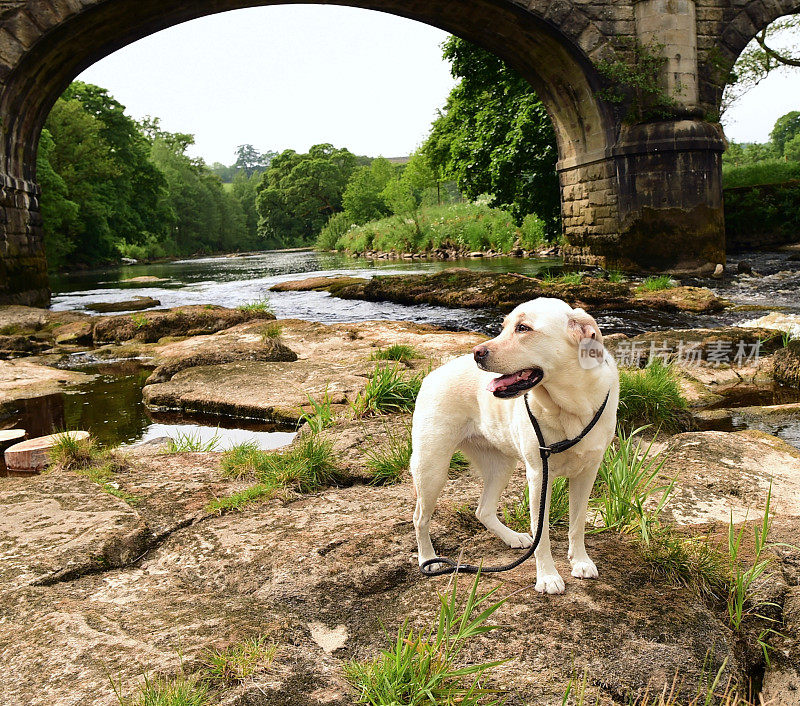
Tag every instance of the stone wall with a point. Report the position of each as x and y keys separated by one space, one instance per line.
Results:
x=23 y=268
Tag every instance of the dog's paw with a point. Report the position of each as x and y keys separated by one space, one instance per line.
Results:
x=518 y=540
x=549 y=583
x=584 y=569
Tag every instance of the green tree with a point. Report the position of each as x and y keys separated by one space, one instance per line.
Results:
x=134 y=197
x=494 y=137
x=251 y=161
x=362 y=199
x=59 y=214
x=791 y=149
x=300 y=192
x=786 y=127
x=245 y=191
x=202 y=216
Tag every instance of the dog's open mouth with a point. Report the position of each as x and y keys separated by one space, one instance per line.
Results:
x=515 y=383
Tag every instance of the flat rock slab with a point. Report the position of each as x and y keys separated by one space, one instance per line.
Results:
x=56 y=525
x=23 y=379
x=326 y=577
x=240 y=343
x=719 y=474
x=135 y=304
x=270 y=391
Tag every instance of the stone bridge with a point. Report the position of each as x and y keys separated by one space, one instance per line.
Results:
x=634 y=196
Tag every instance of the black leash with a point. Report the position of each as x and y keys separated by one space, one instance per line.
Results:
x=545 y=452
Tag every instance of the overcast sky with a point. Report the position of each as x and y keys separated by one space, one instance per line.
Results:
x=293 y=76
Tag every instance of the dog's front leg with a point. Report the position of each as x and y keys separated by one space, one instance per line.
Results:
x=548 y=580
x=580 y=487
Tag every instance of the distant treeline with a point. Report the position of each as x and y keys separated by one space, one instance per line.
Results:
x=112 y=187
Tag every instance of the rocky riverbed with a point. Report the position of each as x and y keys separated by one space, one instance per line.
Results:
x=100 y=589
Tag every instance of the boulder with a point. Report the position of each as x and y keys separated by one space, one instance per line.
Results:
x=78 y=333
x=182 y=321
x=16 y=346
x=135 y=304
x=224 y=347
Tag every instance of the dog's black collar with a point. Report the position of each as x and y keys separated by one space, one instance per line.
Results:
x=545 y=451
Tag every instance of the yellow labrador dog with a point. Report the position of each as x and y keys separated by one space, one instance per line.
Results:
x=475 y=403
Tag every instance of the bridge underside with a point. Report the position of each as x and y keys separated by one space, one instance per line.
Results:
x=634 y=197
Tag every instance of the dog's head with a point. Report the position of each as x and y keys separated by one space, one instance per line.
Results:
x=540 y=339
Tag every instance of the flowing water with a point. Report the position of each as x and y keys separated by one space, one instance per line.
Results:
x=111 y=405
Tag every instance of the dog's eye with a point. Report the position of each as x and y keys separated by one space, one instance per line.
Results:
x=521 y=328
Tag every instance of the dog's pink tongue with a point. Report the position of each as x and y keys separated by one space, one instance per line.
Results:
x=504 y=381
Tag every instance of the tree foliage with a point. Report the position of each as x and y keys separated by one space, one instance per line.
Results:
x=112 y=187
x=774 y=48
x=300 y=192
x=495 y=137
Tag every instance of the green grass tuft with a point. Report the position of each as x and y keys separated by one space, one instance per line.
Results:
x=259 y=305
x=389 y=462
x=85 y=458
x=426 y=667
x=616 y=276
x=398 y=351
x=518 y=515
x=237 y=663
x=651 y=396
x=320 y=416
x=655 y=284
x=70 y=453
x=628 y=480
x=192 y=442
x=271 y=331
x=160 y=691
x=387 y=391
x=308 y=465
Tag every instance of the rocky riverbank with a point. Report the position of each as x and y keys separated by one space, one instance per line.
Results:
x=471 y=289
x=100 y=588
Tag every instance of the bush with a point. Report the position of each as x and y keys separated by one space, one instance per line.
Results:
x=335 y=228
x=770 y=171
x=651 y=397
x=465 y=226
x=766 y=214
x=532 y=232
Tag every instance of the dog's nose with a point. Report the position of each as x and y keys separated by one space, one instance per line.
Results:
x=480 y=353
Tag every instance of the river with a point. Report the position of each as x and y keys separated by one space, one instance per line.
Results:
x=112 y=407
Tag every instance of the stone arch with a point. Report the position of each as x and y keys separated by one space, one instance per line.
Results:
x=549 y=43
x=732 y=36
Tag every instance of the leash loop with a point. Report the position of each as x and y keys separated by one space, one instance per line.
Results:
x=545 y=451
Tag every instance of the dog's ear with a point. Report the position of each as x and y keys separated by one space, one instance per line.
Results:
x=580 y=325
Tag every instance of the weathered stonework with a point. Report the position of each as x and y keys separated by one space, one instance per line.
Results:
x=627 y=200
